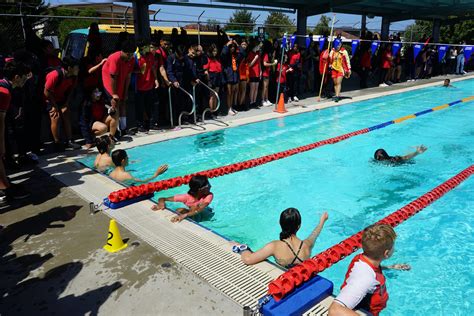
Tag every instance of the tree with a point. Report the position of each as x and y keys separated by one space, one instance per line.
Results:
x=63 y=27
x=451 y=34
x=11 y=29
x=322 y=28
x=283 y=25
x=456 y=33
x=241 y=20
x=212 y=24
x=418 y=31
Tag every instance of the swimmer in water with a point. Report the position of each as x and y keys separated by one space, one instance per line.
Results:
x=381 y=155
x=196 y=200
x=103 y=160
x=120 y=160
x=447 y=83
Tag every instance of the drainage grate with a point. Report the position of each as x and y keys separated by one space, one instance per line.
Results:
x=197 y=252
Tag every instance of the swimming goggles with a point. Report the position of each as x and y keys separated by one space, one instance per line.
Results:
x=240 y=248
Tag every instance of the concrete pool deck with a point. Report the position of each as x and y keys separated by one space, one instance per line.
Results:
x=67 y=270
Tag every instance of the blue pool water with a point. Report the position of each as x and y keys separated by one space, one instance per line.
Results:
x=342 y=179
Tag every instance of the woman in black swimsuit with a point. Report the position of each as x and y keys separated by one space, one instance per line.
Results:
x=289 y=250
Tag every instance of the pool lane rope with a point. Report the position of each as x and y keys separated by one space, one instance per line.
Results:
x=134 y=194
x=301 y=273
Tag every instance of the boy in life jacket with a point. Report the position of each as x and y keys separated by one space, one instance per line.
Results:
x=364 y=284
x=340 y=65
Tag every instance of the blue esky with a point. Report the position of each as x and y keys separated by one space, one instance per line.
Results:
x=185 y=13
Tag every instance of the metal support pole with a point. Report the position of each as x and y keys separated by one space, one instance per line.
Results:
x=199 y=27
x=281 y=68
x=436 y=30
x=22 y=22
x=125 y=17
x=385 y=28
x=141 y=20
x=171 y=106
x=363 y=24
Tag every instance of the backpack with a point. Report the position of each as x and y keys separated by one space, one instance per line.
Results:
x=60 y=72
x=5 y=84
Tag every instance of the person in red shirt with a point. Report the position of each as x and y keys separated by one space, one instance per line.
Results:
x=15 y=76
x=146 y=82
x=386 y=64
x=57 y=91
x=294 y=59
x=364 y=285
x=116 y=74
x=267 y=66
x=96 y=119
x=254 y=61
x=285 y=70
x=214 y=68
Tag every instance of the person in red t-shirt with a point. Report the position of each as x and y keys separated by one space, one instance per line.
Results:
x=294 y=60
x=116 y=74
x=365 y=64
x=146 y=82
x=15 y=76
x=267 y=66
x=96 y=119
x=254 y=61
x=285 y=70
x=385 y=73
x=57 y=90
x=214 y=68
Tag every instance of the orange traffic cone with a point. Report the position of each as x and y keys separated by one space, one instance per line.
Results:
x=281 y=104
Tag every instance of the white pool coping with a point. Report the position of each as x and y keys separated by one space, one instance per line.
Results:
x=195 y=247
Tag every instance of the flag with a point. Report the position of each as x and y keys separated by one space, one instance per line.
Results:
x=308 y=41
x=283 y=41
x=322 y=40
x=375 y=46
x=396 y=48
x=442 y=52
x=467 y=52
x=292 y=41
x=416 y=50
x=355 y=43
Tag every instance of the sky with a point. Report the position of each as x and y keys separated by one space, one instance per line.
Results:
x=185 y=13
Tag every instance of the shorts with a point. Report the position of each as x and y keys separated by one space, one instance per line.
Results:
x=215 y=79
x=231 y=77
x=336 y=74
x=254 y=79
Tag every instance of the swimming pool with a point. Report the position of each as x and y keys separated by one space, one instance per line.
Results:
x=343 y=180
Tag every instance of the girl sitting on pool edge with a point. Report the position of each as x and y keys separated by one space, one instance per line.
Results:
x=197 y=199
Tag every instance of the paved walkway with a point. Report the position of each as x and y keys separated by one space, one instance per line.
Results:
x=53 y=263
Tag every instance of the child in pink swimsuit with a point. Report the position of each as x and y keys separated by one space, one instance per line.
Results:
x=196 y=200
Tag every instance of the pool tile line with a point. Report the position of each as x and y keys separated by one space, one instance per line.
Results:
x=125 y=196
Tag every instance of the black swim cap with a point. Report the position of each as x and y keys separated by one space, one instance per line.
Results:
x=381 y=154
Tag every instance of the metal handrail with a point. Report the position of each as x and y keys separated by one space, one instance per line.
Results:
x=193 y=110
x=218 y=101
x=171 y=106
